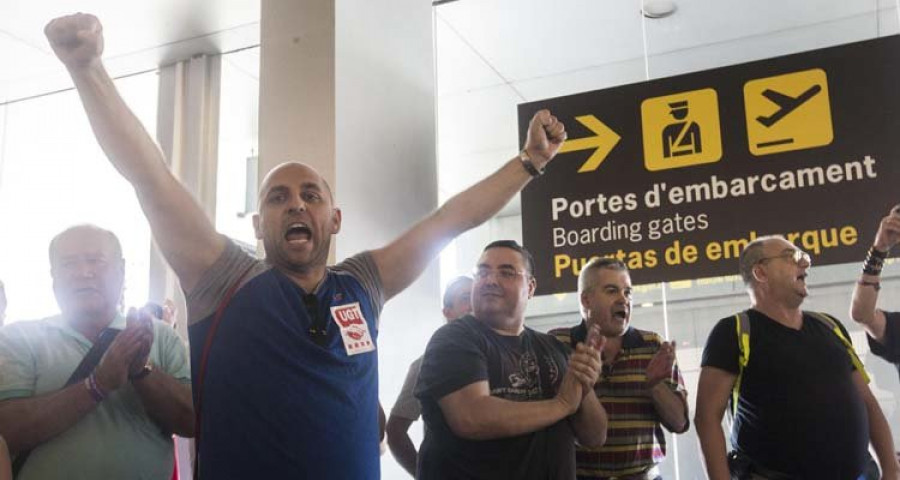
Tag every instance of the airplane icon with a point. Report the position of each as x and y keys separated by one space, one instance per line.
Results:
x=786 y=103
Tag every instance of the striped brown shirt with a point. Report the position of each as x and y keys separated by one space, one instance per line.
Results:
x=635 y=441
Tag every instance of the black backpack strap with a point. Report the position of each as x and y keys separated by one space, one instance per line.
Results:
x=88 y=364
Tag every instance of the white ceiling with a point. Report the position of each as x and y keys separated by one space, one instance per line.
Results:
x=139 y=36
x=491 y=54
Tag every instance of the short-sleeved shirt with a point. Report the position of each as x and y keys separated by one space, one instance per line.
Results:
x=407 y=405
x=635 y=441
x=799 y=411
x=523 y=368
x=115 y=440
x=277 y=403
x=889 y=349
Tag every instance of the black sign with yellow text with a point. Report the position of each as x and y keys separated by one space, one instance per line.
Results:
x=674 y=176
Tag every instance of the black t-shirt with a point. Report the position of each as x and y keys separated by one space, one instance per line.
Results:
x=799 y=411
x=890 y=349
x=524 y=368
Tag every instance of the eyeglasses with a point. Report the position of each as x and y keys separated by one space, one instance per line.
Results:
x=795 y=256
x=503 y=274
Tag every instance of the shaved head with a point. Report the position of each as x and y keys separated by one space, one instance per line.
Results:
x=274 y=173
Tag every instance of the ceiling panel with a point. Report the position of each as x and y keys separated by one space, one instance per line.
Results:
x=707 y=22
x=525 y=39
x=139 y=36
x=459 y=68
x=132 y=26
x=584 y=80
x=478 y=121
x=746 y=49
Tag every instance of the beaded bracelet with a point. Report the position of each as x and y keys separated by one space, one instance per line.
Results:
x=875 y=285
x=94 y=388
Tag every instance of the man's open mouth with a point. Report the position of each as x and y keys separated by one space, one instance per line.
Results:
x=298 y=232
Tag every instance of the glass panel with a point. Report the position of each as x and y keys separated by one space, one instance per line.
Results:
x=238 y=145
x=51 y=170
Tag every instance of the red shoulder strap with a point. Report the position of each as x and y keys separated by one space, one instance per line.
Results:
x=201 y=370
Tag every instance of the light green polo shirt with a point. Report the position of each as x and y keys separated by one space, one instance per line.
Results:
x=117 y=440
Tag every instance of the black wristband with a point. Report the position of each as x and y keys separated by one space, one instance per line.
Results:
x=873 y=270
x=875 y=253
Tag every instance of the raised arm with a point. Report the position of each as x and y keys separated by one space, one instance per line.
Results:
x=401 y=262
x=181 y=229
x=865 y=293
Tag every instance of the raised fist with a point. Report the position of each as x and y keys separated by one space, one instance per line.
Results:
x=76 y=39
x=545 y=135
x=888 y=231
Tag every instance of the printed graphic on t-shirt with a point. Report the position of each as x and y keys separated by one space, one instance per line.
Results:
x=528 y=374
x=525 y=382
x=552 y=370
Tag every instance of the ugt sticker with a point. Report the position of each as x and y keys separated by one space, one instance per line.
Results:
x=354 y=329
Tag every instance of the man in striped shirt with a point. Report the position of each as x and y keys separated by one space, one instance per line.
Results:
x=640 y=385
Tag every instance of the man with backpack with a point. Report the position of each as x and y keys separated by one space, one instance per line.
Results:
x=799 y=395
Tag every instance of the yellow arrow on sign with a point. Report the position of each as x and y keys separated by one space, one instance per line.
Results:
x=604 y=141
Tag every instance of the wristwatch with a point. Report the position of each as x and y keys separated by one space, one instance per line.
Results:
x=529 y=164
x=143 y=372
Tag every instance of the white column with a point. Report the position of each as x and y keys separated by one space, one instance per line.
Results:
x=387 y=162
x=348 y=87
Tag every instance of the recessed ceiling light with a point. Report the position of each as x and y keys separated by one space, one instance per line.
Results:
x=658 y=8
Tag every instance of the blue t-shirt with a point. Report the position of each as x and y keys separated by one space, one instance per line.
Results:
x=277 y=404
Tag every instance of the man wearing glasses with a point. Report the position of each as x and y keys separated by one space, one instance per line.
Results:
x=801 y=403
x=500 y=400
x=284 y=349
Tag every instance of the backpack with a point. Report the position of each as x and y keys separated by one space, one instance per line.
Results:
x=742 y=324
